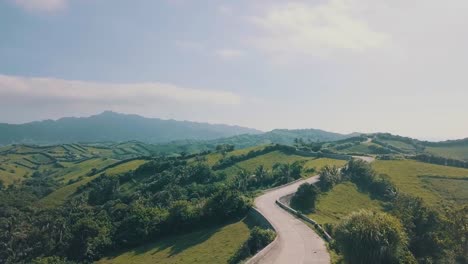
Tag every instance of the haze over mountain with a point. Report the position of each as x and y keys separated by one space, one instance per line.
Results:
x=111 y=126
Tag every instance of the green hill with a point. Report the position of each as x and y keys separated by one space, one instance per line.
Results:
x=168 y=209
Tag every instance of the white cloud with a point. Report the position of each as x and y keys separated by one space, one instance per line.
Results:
x=94 y=92
x=318 y=30
x=229 y=54
x=41 y=5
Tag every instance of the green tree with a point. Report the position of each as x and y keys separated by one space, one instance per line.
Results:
x=359 y=172
x=227 y=204
x=329 y=177
x=368 y=237
x=90 y=236
x=423 y=225
x=305 y=197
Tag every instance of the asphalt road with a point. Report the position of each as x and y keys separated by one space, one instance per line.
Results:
x=296 y=242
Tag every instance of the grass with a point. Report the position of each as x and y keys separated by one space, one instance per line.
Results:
x=455 y=152
x=409 y=176
x=453 y=189
x=59 y=196
x=399 y=144
x=361 y=148
x=340 y=201
x=125 y=167
x=81 y=169
x=212 y=245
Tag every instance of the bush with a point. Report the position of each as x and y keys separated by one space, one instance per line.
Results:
x=258 y=239
x=359 y=172
x=368 y=237
x=329 y=177
x=305 y=197
x=226 y=205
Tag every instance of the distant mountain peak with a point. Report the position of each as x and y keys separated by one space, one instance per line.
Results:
x=113 y=126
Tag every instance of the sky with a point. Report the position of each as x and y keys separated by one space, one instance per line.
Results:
x=346 y=66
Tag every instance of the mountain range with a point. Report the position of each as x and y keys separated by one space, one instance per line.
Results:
x=116 y=127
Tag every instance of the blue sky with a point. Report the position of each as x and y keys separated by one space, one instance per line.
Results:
x=339 y=65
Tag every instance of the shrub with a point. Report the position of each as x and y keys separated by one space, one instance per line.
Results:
x=329 y=177
x=258 y=239
x=305 y=197
x=368 y=237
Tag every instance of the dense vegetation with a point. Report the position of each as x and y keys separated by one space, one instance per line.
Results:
x=367 y=237
x=173 y=197
x=434 y=236
x=76 y=203
x=305 y=197
x=116 y=207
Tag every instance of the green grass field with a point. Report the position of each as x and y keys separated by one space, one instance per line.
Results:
x=81 y=169
x=453 y=189
x=409 y=176
x=125 y=167
x=455 y=152
x=399 y=144
x=212 y=245
x=342 y=200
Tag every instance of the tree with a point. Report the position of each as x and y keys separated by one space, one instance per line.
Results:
x=286 y=172
x=227 y=204
x=263 y=176
x=305 y=197
x=139 y=224
x=329 y=177
x=359 y=172
x=423 y=226
x=183 y=214
x=89 y=237
x=103 y=189
x=224 y=148
x=458 y=230
x=368 y=237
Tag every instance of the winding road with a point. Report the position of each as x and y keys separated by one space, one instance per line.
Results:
x=295 y=242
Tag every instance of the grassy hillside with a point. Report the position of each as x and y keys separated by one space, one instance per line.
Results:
x=453 y=152
x=435 y=184
x=65 y=162
x=212 y=245
x=416 y=178
x=78 y=177
x=340 y=201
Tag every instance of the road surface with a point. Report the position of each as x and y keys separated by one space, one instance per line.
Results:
x=296 y=242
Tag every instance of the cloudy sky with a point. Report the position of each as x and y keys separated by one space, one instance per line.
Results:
x=342 y=65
